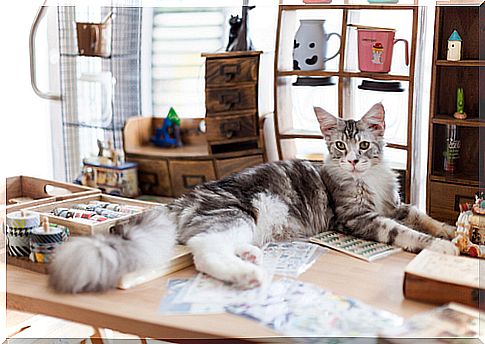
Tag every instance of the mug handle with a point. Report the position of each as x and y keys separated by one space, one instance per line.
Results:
x=95 y=30
x=338 y=51
x=406 y=48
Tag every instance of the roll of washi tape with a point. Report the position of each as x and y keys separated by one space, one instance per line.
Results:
x=109 y=213
x=82 y=214
x=62 y=212
x=19 y=227
x=45 y=240
x=130 y=209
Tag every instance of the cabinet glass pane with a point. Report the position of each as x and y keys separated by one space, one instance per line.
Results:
x=400 y=20
x=290 y=22
x=395 y=105
x=295 y=108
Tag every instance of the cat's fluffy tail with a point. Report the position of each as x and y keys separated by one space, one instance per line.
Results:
x=96 y=263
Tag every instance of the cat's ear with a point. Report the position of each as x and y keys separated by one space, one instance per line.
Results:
x=328 y=122
x=374 y=119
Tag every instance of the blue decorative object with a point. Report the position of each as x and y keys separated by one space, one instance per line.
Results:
x=455 y=36
x=168 y=135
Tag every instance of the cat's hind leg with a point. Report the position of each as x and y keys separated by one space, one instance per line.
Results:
x=227 y=254
x=418 y=220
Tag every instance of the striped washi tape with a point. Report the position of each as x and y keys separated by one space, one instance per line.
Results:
x=19 y=228
x=43 y=244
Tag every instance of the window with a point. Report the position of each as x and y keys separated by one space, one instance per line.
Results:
x=180 y=35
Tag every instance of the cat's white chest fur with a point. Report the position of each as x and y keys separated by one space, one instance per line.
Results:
x=380 y=180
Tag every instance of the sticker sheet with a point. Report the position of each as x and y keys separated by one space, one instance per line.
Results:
x=290 y=258
x=204 y=287
x=356 y=247
x=298 y=309
x=174 y=288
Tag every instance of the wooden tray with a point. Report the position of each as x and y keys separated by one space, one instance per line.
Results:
x=81 y=228
x=41 y=191
x=181 y=259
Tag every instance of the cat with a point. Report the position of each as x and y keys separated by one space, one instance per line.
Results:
x=225 y=222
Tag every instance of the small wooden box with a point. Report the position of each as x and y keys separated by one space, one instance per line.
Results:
x=41 y=191
x=446 y=198
x=85 y=228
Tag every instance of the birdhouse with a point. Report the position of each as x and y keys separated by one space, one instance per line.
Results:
x=454 y=47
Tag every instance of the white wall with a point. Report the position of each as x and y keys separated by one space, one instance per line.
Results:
x=25 y=137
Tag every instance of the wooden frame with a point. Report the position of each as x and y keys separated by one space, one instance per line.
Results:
x=342 y=74
x=36 y=188
x=452 y=188
x=83 y=228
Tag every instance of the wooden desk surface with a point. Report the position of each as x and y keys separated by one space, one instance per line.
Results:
x=135 y=310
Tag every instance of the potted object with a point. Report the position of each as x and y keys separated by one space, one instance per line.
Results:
x=454 y=47
x=460 y=104
x=375 y=47
x=94 y=39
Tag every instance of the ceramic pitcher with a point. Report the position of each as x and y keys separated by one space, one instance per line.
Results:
x=310 y=45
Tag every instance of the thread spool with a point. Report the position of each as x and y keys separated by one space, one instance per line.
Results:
x=44 y=241
x=19 y=228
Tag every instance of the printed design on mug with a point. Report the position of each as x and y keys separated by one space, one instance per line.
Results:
x=377 y=50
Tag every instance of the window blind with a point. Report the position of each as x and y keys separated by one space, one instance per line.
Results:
x=180 y=35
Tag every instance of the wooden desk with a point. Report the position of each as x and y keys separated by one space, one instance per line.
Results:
x=135 y=311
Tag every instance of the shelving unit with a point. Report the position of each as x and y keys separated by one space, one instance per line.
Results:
x=445 y=191
x=284 y=77
x=89 y=110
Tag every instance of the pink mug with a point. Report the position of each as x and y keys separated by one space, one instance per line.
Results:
x=375 y=49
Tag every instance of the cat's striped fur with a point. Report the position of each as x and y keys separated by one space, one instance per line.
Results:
x=225 y=222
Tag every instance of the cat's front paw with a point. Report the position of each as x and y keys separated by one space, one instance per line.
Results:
x=446 y=231
x=444 y=246
x=251 y=277
x=250 y=253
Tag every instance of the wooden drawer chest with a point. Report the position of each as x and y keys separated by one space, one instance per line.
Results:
x=231 y=93
x=445 y=199
x=233 y=139
x=175 y=171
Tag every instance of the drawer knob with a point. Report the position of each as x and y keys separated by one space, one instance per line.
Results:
x=229 y=71
x=229 y=99
x=191 y=181
x=228 y=129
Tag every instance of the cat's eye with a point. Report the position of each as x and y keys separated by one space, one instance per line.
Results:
x=364 y=145
x=340 y=145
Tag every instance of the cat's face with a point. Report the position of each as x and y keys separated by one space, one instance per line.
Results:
x=355 y=146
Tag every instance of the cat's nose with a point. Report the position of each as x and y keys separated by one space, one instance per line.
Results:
x=353 y=162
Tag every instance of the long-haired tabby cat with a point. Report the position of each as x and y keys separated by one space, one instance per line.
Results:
x=225 y=222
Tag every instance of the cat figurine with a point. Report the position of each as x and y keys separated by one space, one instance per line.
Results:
x=226 y=222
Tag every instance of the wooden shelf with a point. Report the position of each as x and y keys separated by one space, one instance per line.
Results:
x=347 y=7
x=457 y=178
x=376 y=76
x=307 y=73
x=283 y=88
x=469 y=122
x=462 y=63
x=446 y=190
x=344 y=74
x=300 y=134
x=308 y=134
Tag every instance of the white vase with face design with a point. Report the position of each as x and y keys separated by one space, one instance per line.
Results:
x=310 y=45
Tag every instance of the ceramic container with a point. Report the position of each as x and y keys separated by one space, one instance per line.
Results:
x=310 y=45
x=375 y=49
